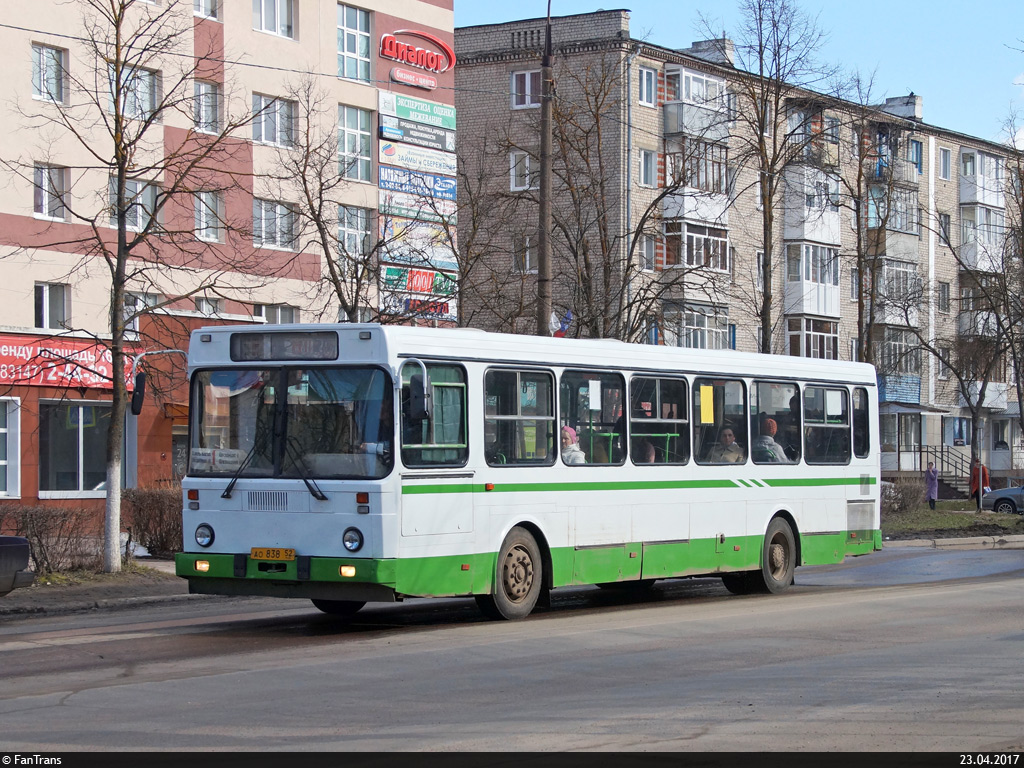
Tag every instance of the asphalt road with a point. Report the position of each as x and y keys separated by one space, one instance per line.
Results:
x=907 y=649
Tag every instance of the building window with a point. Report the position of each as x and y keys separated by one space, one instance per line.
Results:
x=648 y=95
x=855 y=349
x=207 y=216
x=354 y=142
x=944 y=358
x=73 y=446
x=944 y=228
x=707 y=247
x=51 y=305
x=697 y=89
x=823 y=194
x=967 y=164
x=524 y=254
x=10 y=448
x=983 y=225
x=697 y=327
x=900 y=281
x=273 y=16
x=206 y=115
x=809 y=337
x=700 y=165
x=648 y=249
x=49 y=73
x=135 y=305
x=50 y=182
x=854 y=284
x=900 y=352
x=140 y=204
x=526 y=89
x=945 y=163
x=812 y=264
x=276 y=314
x=136 y=92
x=354 y=231
x=944 y=298
x=521 y=173
x=205 y=8
x=353 y=43
x=915 y=154
x=273 y=224
x=273 y=120
x=648 y=168
x=896 y=209
x=207 y=306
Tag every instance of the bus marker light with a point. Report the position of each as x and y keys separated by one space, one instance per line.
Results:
x=193 y=505
x=632 y=554
x=202 y=565
x=488 y=486
x=736 y=548
x=193 y=494
x=362 y=498
x=465 y=566
x=363 y=509
x=348 y=571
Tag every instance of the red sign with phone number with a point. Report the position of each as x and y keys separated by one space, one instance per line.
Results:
x=57 y=362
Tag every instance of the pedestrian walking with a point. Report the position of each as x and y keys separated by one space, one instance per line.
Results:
x=931 y=484
x=979 y=481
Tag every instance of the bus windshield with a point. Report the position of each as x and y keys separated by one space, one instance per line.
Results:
x=292 y=422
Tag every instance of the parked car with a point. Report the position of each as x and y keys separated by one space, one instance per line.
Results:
x=14 y=571
x=1008 y=501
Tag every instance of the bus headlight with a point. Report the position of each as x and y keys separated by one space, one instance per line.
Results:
x=204 y=535
x=352 y=539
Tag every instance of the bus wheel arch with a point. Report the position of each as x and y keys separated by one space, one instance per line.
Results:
x=521 y=575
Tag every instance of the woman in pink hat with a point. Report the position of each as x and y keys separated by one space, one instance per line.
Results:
x=571 y=453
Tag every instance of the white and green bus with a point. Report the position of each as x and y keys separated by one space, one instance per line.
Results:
x=356 y=463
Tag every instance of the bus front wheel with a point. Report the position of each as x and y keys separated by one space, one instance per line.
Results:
x=778 y=559
x=338 y=607
x=518 y=578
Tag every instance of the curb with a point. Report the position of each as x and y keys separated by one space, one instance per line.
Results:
x=975 y=542
x=113 y=603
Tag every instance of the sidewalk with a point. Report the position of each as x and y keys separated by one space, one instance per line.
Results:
x=155 y=582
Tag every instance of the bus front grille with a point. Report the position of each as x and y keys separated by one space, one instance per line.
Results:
x=267 y=501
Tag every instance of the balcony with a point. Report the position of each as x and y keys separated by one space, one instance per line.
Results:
x=898 y=170
x=995 y=395
x=697 y=205
x=803 y=297
x=819 y=222
x=981 y=256
x=899 y=388
x=981 y=190
x=705 y=122
x=978 y=323
x=902 y=246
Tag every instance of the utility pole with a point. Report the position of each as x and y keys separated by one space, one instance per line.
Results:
x=544 y=225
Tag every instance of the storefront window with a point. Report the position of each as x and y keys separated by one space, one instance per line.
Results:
x=73 y=446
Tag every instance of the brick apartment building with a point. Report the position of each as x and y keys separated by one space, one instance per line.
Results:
x=658 y=233
x=232 y=246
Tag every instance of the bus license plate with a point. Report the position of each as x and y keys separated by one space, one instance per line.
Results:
x=271 y=553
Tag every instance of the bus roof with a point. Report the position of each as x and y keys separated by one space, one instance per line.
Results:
x=397 y=342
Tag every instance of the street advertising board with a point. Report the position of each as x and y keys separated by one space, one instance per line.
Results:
x=418 y=183
x=417 y=243
x=404 y=305
x=429 y=281
x=416 y=158
x=58 y=362
x=417 y=110
x=410 y=132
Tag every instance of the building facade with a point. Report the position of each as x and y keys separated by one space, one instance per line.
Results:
x=225 y=104
x=885 y=238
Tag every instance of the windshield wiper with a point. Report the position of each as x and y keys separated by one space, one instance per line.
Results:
x=238 y=472
x=300 y=465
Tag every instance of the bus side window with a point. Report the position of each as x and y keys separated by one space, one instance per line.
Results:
x=519 y=418
x=861 y=424
x=720 y=422
x=658 y=425
x=827 y=425
x=592 y=404
x=774 y=423
x=439 y=440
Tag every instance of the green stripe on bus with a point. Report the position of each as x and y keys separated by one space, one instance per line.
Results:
x=635 y=485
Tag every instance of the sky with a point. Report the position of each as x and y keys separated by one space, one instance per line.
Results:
x=965 y=59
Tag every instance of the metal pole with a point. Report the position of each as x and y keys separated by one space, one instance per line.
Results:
x=544 y=224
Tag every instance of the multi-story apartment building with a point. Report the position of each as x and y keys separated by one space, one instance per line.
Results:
x=358 y=93
x=884 y=232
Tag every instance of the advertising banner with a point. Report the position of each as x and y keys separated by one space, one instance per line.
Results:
x=417 y=207
x=417 y=110
x=418 y=243
x=396 y=129
x=57 y=362
x=416 y=182
x=419 y=306
x=416 y=158
x=427 y=281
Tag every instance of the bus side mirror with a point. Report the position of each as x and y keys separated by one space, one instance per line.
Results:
x=139 y=394
x=419 y=399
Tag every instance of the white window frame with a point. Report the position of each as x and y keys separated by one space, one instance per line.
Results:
x=207 y=306
x=696 y=326
x=526 y=89
x=49 y=73
x=698 y=238
x=520 y=171
x=647 y=95
x=135 y=302
x=43 y=299
x=49 y=190
x=273 y=225
x=273 y=120
x=943 y=298
x=280 y=21
x=354 y=225
x=648 y=168
x=209 y=209
x=696 y=87
x=523 y=255
x=140 y=92
x=812 y=263
x=10 y=433
x=648 y=253
x=355 y=133
x=353 y=43
x=142 y=205
x=206 y=9
x=276 y=314
x=206 y=108
x=80 y=493
x=816 y=338
x=901 y=352
x=945 y=163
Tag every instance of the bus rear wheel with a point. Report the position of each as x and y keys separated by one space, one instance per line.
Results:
x=338 y=607
x=518 y=578
x=778 y=559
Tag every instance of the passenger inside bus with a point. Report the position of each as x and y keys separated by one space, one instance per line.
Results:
x=764 y=449
x=728 y=451
x=571 y=452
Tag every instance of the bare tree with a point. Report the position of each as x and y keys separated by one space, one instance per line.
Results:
x=149 y=130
